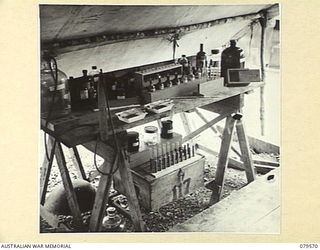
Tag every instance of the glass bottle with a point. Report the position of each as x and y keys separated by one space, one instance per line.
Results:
x=112 y=222
x=94 y=75
x=151 y=135
x=184 y=62
x=55 y=96
x=201 y=59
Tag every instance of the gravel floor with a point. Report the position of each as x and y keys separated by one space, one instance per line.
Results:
x=170 y=214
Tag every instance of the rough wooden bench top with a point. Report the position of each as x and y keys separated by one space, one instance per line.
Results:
x=252 y=209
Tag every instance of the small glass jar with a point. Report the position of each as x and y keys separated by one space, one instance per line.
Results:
x=151 y=135
x=112 y=222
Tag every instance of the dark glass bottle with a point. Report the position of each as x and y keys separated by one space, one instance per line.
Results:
x=201 y=58
x=230 y=58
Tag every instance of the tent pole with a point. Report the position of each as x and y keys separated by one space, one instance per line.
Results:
x=263 y=22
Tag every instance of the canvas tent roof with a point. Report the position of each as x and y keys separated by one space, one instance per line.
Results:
x=121 y=45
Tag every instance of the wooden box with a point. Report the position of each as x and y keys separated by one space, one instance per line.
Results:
x=157 y=189
x=143 y=77
x=242 y=77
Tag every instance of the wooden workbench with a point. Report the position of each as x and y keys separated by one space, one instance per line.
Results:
x=82 y=128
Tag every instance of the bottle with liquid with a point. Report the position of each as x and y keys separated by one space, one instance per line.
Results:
x=184 y=62
x=112 y=222
x=201 y=59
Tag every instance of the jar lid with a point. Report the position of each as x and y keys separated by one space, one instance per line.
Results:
x=150 y=129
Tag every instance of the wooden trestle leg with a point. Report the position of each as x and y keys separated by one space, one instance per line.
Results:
x=77 y=162
x=223 y=159
x=232 y=123
x=130 y=192
x=46 y=169
x=66 y=180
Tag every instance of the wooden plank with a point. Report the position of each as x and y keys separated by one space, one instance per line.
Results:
x=223 y=156
x=204 y=127
x=130 y=192
x=70 y=194
x=210 y=88
x=46 y=169
x=236 y=164
x=76 y=160
x=245 y=151
x=261 y=146
x=185 y=123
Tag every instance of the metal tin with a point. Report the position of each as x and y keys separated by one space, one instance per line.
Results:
x=133 y=141
x=166 y=129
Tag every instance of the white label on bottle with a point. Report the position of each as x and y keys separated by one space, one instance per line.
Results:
x=59 y=87
x=135 y=144
x=86 y=94
x=170 y=131
x=121 y=97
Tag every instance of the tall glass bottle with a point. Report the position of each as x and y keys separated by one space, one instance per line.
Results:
x=201 y=59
